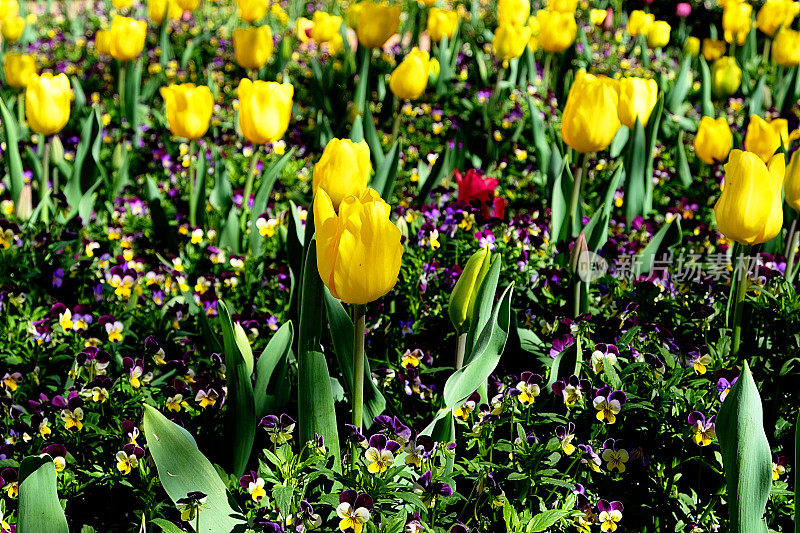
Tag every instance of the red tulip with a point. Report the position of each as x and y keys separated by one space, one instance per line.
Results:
x=474 y=186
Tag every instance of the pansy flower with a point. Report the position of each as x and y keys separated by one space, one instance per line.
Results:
x=614 y=457
x=254 y=485
x=411 y=358
x=206 y=398
x=590 y=457
x=465 y=410
x=135 y=371
x=608 y=403
x=703 y=430
x=73 y=418
x=353 y=511
x=190 y=504
x=724 y=387
x=601 y=354
x=571 y=390
x=11 y=381
x=429 y=489
x=9 y=482
x=306 y=517
x=779 y=467
x=418 y=449
x=565 y=435
x=700 y=362
x=128 y=458
x=279 y=429
x=114 y=330
x=610 y=515
x=529 y=387
x=59 y=453
x=380 y=453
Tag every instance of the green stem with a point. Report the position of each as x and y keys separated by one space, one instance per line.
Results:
x=192 y=178
x=576 y=303
x=577 y=186
x=21 y=108
x=359 y=323
x=44 y=184
x=548 y=58
x=397 y=120
x=251 y=176
x=123 y=70
x=738 y=305
x=461 y=347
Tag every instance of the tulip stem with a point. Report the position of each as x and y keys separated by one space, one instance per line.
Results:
x=789 y=272
x=577 y=290
x=397 y=120
x=743 y=282
x=21 y=108
x=248 y=186
x=577 y=186
x=123 y=71
x=461 y=347
x=192 y=179
x=358 y=364
x=44 y=185
x=767 y=43
x=548 y=58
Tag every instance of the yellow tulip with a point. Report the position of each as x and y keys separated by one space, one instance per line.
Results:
x=264 y=110
x=658 y=34
x=510 y=41
x=465 y=291
x=358 y=250
x=713 y=140
x=765 y=138
x=442 y=23
x=252 y=46
x=590 y=118
x=376 y=23
x=597 y=16
x=11 y=28
x=302 y=28
x=786 y=48
x=513 y=12
x=726 y=76
x=639 y=22
x=427 y=3
x=409 y=79
x=188 y=5
x=750 y=209
x=126 y=38
x=252 y=10
x=352 y=14
x=189 y=109
x=122 y=4
x=557 y=30
x=8 y=8
x=776 y=13
x=156 y=9
x=691 y=46
x=102 y=42
x=713 y=49
x=533 y=24
x=562 y=6
x=791 y=183
x=47 y=102
x=736 y=21
x=637 y=98
x=19 y=69
x=326 y=27
x=343 y=170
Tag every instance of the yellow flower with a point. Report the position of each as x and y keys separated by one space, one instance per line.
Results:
x=325 y=27
x=343 y=170
x=713 y=49
x=19 y=69
x=791 y=183
x=590 y=118
x=639 y=22
x=557 y=30
x=352 y=14
x=764 y=138
x=47 y=102
x=102 y=42
x=409 y=79
x=188 y=5
x=125 y=462
x=637 y=98
x=11 y=28
x=597 y=16
x=156 y=9
x=726 y=76
x=465 y=291
x=565 y=6
x=264 y=110
x=8 y=8
x=776 y=13
x=122 y=4
x=189 y=109
x=750 y=209
x=713 y=140
x=256 y=489
x=358 y=251
x=252 y=46
x=376 y=23
x=691 y=46
x=510 y=41
x=303 y=28
x=658 y=34
x=352 y=518
x=73 y=418
x=736 y=21
x=513 y=12
x=252 y=10
x=786 y=48
x=126 y=38
x=442 y=23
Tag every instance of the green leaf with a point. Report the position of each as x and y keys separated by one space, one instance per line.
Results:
x=546 y=519
x=240 y=418
x=560 y=198
x=262 y=197
x=357 y=130
x=707 y=104
x=796 y=474
x=484 y=302
x=39 y=508
x=651 y=134
x=668 y=236
x=372 y=138
x=167 y=526
x=182 y=468
x=683 y=82
x=485 y=357
x=271 y=371
x=746 y=455
x=757 y=98
x=384 y=179
x=11 y=152
x=282 y=494
x=619 y=141
x=635 y=172
x=684 y=172
x=539 y=137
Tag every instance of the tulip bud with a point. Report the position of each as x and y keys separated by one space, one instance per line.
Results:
x=713 y=49
x=576 y=255
x=713 y=140
x=252 y=10
x=343 y=170
x=442 y=23
x=189 y=109
x=775 y=14
x=47 y=103
x=56 y=150
x=637 y=98
x=791 y=183
x=513 y=12
x=557 y=30
x=691 y=46
x=658 y=34
x=433 y=71
x=765 y=138
x=786 y=48
x=510 y=41
x=376 y=23
x=118 y=156
x=750 y=209
x=726 y=76
x=252 y=46
x=465 y=291
x=358 y=250
x=126 y=38
x=590 y=120
x=409 y=79
x=264 y=110
x=639 y=22
x=25 y=203
x=11 y=28
x=736 y=21
x=19 y=69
